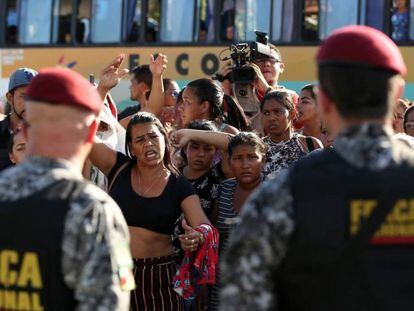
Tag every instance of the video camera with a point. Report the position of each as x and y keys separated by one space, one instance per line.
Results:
x=242 y=54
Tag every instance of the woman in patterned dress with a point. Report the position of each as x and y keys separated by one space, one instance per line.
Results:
x=284 y=146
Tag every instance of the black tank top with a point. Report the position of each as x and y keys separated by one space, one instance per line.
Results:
x=156 y=213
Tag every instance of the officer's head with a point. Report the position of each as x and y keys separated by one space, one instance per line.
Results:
x=18 y=83
x=62 y=114
x=360 y=74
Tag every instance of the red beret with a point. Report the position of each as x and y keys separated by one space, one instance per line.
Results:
x=361 y=45
x=64 y=86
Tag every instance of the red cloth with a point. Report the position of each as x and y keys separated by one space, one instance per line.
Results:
x=112 y=106
x=198 y=268
x=62 y=86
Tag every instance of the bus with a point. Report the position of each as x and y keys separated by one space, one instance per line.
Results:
x=87 y=34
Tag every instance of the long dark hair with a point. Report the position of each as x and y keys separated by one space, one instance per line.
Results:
x=282 y=97
x=311 y=89
x=208 y=90
x=235 y=114
x=146 y=117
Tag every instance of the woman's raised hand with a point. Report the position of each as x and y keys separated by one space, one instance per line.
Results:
x=158 y=65
x=180 y=138
x=112 y=74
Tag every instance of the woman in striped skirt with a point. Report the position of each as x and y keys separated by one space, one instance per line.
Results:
x=152 y=195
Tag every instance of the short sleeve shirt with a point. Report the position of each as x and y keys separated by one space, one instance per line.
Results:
x=153 y=213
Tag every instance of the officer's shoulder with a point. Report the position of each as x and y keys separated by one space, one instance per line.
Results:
x=11 y=176
x=91 y=195
x=92 y=201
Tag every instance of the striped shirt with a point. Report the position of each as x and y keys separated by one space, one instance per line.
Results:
x=226 y=220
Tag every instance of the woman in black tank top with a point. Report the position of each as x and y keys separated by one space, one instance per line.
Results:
x=151 y=195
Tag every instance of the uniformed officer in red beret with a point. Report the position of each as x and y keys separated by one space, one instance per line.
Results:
x=64 y=243
x=336 y=231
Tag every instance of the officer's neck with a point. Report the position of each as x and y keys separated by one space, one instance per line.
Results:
x=76 y=156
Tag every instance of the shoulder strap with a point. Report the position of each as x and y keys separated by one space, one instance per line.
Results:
x=309 y=143
x=300 y=142
x=120 y=169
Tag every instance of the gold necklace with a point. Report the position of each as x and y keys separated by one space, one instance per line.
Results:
x=153 y=183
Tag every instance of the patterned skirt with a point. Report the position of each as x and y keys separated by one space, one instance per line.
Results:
x=154 y=290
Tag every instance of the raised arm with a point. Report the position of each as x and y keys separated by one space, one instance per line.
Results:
x=102 y=156
x=181 y=138
x=111 y=75
x=156 y=100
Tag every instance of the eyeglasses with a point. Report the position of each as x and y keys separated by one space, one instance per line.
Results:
x=409 y=125
x=262 y=61
x=173 y=94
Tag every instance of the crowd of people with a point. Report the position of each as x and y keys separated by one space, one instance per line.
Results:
x=207 y=202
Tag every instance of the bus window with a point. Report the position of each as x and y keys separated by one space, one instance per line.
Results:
x=11 y=22
x=227 y=20
x=62 y=21
x=153 y=20
x=277 y=20
x=335 y=14
x=412 y=21
x=83 y=21
x=35 y=28
x=310 y=20
x=251 y=15
x=133 y=20
x=177 y=21
x=106 y=21
x=399 y=20
x=206 y=21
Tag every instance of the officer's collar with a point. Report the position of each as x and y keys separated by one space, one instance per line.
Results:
x=366 y=130
x=366 y=145
x=43 y=163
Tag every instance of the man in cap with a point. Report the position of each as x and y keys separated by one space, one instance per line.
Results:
x=15 y=96
x=336 y=231
x=64 y=243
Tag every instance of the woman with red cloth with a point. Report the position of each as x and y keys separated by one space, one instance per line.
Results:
x=151 y=195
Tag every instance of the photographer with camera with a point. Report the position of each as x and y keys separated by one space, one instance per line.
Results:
x=249 y=72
